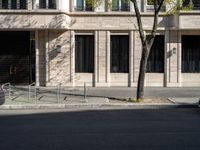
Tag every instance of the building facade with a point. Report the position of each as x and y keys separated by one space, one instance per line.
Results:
x=69 y=42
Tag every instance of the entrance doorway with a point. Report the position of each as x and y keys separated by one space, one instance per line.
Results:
x=17 y=57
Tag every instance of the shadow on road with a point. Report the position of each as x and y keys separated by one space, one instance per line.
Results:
x=139 y=129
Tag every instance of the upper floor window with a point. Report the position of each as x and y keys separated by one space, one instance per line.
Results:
x=47 y=4
x=120 y=5
x=83 y=5
x=195 y=4
x=150 y=5
x=13 y=4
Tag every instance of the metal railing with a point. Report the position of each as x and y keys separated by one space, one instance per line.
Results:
x=34 y=92
x=9 y=88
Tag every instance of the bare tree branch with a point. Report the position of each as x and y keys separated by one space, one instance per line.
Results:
x=140 y=26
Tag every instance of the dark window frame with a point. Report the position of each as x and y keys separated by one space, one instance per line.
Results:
x=84 y=53
x=190 y=54
x=119 y=5
x=196 y=4
x=155 y=62
x=83 y=6
x=119 y=53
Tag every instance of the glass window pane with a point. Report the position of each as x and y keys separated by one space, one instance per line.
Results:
x=190 y=54
x=84 y=53
x=115 y=5
x=52 y=4
x=119 y=54
x=155 y=63
x=23 y=4
x=125 y=5
x=13 y=4
x=80 y=4
x=4 y=4
x=42 y=4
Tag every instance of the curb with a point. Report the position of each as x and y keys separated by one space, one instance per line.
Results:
x=94 y=105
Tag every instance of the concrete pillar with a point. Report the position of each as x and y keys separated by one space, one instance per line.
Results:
x=172 y=54
x=72 y=58
x=71 y=5
x=108 y=58
x=136 y=57
x=37 y=58
x=131 y=63
x=101 y=58
x=30 y=4
x=96 y=71
x=47 y=55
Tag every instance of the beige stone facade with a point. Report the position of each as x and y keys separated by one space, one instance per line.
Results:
x=57 y=28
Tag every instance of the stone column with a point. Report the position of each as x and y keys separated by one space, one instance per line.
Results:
x=30 y=4
x=172 y=54
x=108 y=58
x=37 y=58
x=71 y=5
x=47 y=55
x=96 y=69
x=131 y=49
x=108 y=5
x=72 y=58
x=101 y=58
x=136 y=57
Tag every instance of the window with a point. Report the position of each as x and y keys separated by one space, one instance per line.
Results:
x=47 y=4
x=13 y=4
x=155 y=63
x=84 y=53
x=23 y=4
x=52 y=4
x=42 y=4
x=4 y=4
x=83 y=5
x=119 y=54
x=190 y=54
x=120 y=5
x=195 y=3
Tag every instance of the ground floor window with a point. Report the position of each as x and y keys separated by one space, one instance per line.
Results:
x=17 y=57
x=13 y=4
x=190 y=54
x=119 y=54
x=155 y=63
x=84 y=53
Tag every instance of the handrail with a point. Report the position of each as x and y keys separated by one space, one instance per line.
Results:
x=9 y=88
x=29 y=91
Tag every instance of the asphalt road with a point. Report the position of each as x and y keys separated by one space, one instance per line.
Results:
x=127 y=129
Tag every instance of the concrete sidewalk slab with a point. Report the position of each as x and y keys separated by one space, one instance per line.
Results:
x=185 y=101
x=87 y=105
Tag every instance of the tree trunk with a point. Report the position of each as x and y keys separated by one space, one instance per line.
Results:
x=143 y=66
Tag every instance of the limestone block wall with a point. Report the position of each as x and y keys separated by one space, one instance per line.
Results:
x=58 y=57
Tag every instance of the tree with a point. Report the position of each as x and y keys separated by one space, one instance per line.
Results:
x=147 y=41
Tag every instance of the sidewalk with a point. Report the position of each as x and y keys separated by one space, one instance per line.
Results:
x=100 y=97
